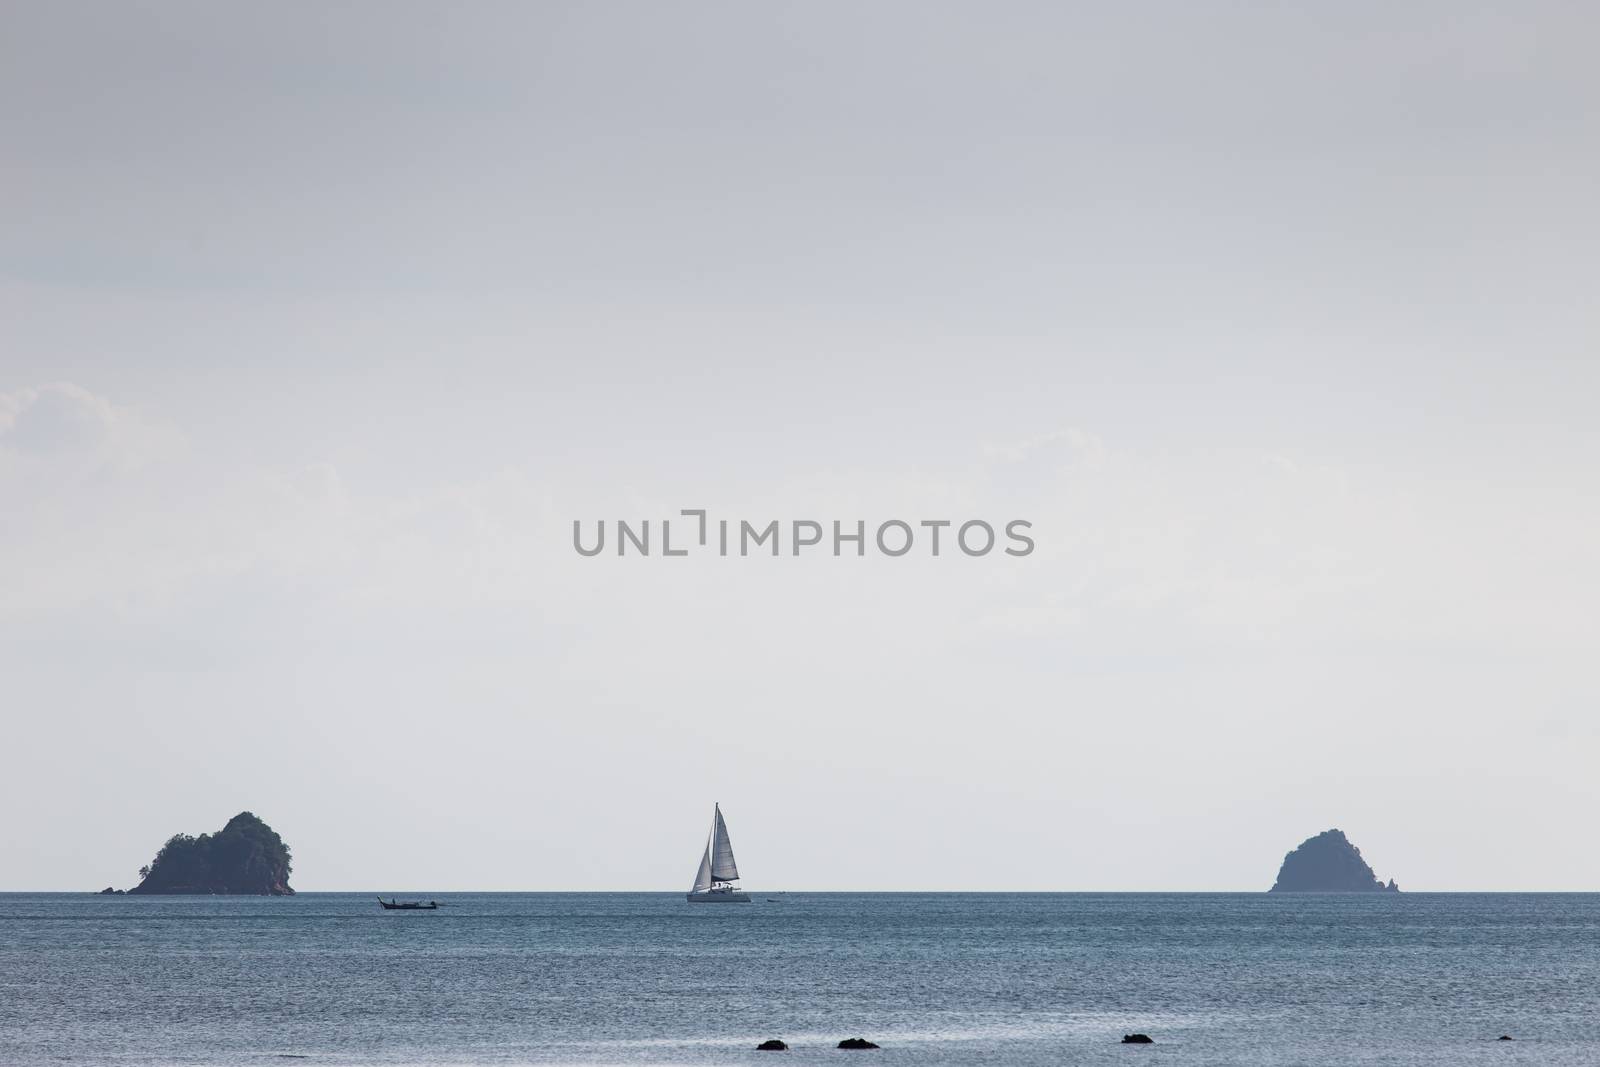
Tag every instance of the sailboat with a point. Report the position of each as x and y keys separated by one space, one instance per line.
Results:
x=713 y=882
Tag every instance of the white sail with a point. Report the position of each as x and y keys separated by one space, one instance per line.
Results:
x=723 y=868
x=712 y=882
x=702 y=877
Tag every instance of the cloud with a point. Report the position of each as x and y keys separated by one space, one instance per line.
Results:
x=63 y=420
x=54 y=418
x=1080 y=445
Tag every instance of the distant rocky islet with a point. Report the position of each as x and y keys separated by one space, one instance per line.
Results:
x=1328 y=863
x=244 y=858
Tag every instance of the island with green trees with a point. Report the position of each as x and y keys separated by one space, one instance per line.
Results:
x=245 y=857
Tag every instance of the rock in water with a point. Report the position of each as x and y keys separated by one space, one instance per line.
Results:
x=856 y=1042
x=1137 y=1039
x=772 y=1046
x=1328 y=863
x=244 y=857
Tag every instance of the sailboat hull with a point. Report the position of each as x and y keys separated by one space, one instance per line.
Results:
x=719 y=896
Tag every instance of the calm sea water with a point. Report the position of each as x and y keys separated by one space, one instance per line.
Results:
x=936 y=979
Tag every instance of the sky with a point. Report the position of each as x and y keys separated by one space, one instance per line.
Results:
x=321 y=324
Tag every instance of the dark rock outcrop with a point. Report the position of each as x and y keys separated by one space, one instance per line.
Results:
x=108 y=891
x=856 y=1042
x=244 y=857
x=772 y=1046
x=1137 y=1039
x=1328 y=863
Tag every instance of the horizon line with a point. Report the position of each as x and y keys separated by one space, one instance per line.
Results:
x=816 y=892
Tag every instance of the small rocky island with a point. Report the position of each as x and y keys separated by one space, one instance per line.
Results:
x=245 y=857
x=1328 y=863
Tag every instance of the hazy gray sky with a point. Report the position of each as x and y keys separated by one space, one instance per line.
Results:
x=319 y=325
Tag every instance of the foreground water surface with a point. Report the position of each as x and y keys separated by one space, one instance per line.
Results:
x=627 y=978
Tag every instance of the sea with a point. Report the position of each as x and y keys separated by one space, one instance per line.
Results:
x=643 y=978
